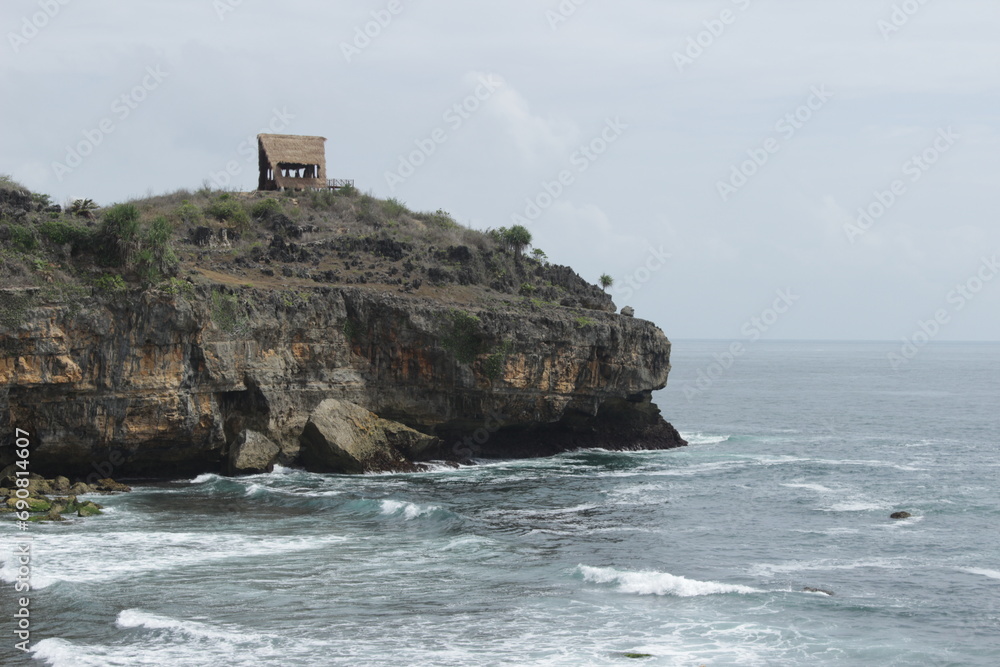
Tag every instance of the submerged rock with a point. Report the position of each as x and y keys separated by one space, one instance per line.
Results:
x=111 y=486
x=810 y=589
x=900 y=515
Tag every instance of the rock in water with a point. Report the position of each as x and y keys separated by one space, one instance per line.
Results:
x=810 y=589
x=88 y=509
x=900 y=515
x=343 y=437
x=252 y=453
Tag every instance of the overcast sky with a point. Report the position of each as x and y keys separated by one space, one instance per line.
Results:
x=713 y=153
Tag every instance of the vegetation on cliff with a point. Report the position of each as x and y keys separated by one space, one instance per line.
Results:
x=287 y=241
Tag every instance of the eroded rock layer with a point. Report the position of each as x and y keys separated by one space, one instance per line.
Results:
x=157 y=384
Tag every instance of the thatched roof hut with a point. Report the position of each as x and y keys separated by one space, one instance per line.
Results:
x=290 y=161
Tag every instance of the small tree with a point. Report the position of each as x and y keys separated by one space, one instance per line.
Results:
x=540 y=256
x=157 y=257
x=83 y=207
x=606 y=281
x=517 y=238
x=120 y=232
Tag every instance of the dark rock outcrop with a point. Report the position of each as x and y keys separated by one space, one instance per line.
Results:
x=900 y=515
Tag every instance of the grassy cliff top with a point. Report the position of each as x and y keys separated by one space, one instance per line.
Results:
x=280 y=241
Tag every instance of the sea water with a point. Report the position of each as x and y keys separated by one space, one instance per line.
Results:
x=697 y=556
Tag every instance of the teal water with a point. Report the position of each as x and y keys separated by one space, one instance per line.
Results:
x=799 y=453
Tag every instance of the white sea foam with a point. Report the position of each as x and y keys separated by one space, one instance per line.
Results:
x=658 y=583
x=205 y=477
x=818 y=488
x=136 y=618
x=408 y=510
x=824 y=564
x=702 y=439
x=992 y=574
x=856 y=505
x=177 y=642
x=137 y=553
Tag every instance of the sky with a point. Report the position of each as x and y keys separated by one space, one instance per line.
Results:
x=744 y=169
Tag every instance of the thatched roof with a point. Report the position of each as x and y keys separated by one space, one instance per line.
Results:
x=293 y=149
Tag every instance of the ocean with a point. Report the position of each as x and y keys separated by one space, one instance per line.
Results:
x=696 y=556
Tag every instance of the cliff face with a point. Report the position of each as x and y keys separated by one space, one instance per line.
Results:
x=157 y=384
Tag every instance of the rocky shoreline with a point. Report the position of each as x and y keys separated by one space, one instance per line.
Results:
x=51 y=499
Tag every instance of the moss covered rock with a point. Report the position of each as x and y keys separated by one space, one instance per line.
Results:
x=88 y=509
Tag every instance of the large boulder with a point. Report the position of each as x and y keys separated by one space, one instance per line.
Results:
x=252 y=453
x=343 y=437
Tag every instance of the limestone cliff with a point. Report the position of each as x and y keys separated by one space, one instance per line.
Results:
x=170 y=381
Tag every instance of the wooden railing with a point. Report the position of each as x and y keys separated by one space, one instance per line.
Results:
x=335 y=183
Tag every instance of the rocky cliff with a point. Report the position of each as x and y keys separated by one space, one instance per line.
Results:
x=217 y=374
x=169 y=383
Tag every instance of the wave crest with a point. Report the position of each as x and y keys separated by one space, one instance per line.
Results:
x=659 y=583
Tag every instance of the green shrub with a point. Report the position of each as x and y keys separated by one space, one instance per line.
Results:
x=582 y=322
x=176 y=286
x=60 y=232
x=188 y=214
x=225 y=209
x=394 y=208
x=351 y=330
x=495 y=363
x=8 y=183
x=111 y=283
x=527 y=288
x=41 y=200
x=439 y=218
x=120 y=233
x=463 y=338
x=265 y=208
x=23 y=238
x=228 y=314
